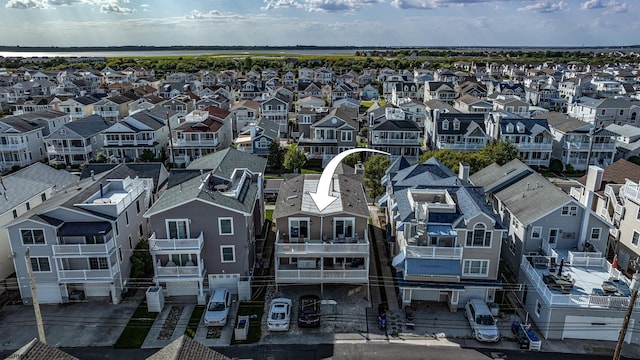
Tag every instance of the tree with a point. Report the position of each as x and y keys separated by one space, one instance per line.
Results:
x=374 y=169
x=352 y=159
x=294 y=159
x=147 y=156
x=276 y=155
x=141 y=260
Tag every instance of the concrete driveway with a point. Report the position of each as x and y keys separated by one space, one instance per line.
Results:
x=66 y=325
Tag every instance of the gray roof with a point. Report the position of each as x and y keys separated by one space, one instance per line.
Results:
x=431 y=172
x=293 y=197
x=396 y=125
x=185 y=348
x=269 y=128
x=224 y=162
x=563 y=122
x=34 y=179
x=494 y=176
x=88 y=126
x=143 y=170
x=36 y=350
x=532 y=197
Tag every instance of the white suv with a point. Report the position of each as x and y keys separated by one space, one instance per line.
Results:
x=218 y=308
x=483 y=325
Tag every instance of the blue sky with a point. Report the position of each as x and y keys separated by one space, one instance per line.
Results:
x=320 y=22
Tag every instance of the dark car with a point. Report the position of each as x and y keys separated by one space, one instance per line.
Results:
x=309 y=311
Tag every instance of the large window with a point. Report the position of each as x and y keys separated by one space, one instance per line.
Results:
x=227 y=253
x=298 y=228
x=346 y=135
x=100 y=263
x=40 y=264
x=32 y=236
x=178 y=229
x=634 y=239
x=569 y=210
x=182 y=259
x=595 y=234
x=475 y=268
x=553 y=236
x=536 y=232
x=225 y=226
x=479 y=237
x=343 y=227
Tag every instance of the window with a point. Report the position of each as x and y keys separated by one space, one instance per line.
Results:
x=569 y=210
x=32 y=236
x=298 y=228
x=178 y=229
x=137 y=206
x=343 y=227
x=479 y=237
x=638 y=214
x=182 y=259
x=43 y=196
x=40 y=264
x=100 y=263
x=595 y=234
x=456 y=124
x=634 y=239
x=15 y=213
x=130 y=243
x=28 y=206
x=140 y=232
x=126 y=217
x=120 y=254
x=346 y=135
x=538 y=307
x=227 y=253
x=475 y=268
x=225 y=226
x=445 y=125
x=553 y=236
x=536 y=232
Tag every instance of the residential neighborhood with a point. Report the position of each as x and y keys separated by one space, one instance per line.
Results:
x=503 y=196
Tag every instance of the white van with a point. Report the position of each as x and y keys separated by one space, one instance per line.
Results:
x=218 y=308
x=483 y=325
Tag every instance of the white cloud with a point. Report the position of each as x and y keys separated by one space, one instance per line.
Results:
x=26 y=4
x=320 y=5
x=611 y=7
x=281 y=4
x=114 y=8
x=434 y=4
x=545 y=7
x=198 y=15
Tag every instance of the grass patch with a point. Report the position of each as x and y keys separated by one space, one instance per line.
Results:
x=268 y=214
x=311 y=171
x=194 y=321
x=137 y=328
x=248 y=308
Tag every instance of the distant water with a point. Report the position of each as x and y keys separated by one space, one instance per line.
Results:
x=174 y=53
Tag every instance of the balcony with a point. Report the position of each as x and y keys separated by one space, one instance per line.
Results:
x=317 y=276
x=107 y=113
x=284 y=113
x=84 y=250
x=68 y=150
x=630 y=190
x=196 y=271
x=135 y=142
x=460 y=146
x=376 y=140
x=435 y=252
x=158 y=246
x=534 y=146
x=195 y=143
x=89 y=275
x=13 y=147
x=351 y=247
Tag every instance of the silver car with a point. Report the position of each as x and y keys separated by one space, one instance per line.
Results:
x=483 y=325
x=218 y=308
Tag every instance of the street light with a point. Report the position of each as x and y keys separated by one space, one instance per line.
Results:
x=635 y=284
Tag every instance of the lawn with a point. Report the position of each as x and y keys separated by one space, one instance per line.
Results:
x=137 y=329
x=255 y=331
x=194 y=320
x=268 y=214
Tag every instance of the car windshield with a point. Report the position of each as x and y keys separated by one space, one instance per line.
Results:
x=485 y=320
x=216 y=306
x=277 y=316
x=309 y=306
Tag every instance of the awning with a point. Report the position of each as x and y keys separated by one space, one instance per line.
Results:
x=84 y=228
x=440 y=230
x=399 y=226
x=398 y=261
x=433 y=267
x=383 y=200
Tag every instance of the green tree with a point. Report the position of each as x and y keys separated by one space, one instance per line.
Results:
x=352 y=159
x=141 y=261
x=276 y=155
x=147 y=156
x=101 y=157
x=374 y=169
x=294 y=159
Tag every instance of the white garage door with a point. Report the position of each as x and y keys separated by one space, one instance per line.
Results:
x=229 y=281
x=49 y=293
x=425 y=295
x=594 y=328
x=96 y=289
x=182 y=288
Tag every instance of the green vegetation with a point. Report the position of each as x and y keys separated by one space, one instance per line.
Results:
x=137 y=329
x=255 y=310
x=268 y=214
x=141 y=261
x=294 y=159
x=276 y=155
x=374 y=169
x=500 y=152
x=194 y=321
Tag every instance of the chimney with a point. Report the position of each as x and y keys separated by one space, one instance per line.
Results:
x=463 y=172
x=253 y=130
x=594 y=178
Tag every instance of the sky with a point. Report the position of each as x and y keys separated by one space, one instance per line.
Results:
x=420 y=23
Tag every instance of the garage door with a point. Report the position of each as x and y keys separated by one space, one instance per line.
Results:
x=425 y=295
x=49 y=293
x=594 y=328
x=229 y=281
x=97 y=289
x=182 y=288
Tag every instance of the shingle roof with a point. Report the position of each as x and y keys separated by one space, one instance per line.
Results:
x=36 y=350
x=185 y=348
x=88 y=126
x=143 y=170
x=617 y=173
x=563 y=122
x=224 y=162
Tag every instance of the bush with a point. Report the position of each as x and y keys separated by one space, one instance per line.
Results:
x=555 y=166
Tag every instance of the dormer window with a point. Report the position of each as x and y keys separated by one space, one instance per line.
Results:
x=520 y=127
x=445 y=125
x=456 y=124
x=509 y=128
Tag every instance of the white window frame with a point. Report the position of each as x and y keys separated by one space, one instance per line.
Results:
x=533 y=232
x=344 y=219
x=167 y=221
x=538 y=308
x=445 y=125
x=483 y=267
x=220 y=220
x=593 y=231
x=486 y=231
x=37 y=259
x=308 y=220
x=555 y=238
x=636 y=237
x=569 y=210
x=346 y=135
x=233 y=253
x=44 y=237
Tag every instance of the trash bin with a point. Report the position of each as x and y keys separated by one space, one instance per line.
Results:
x=495 y=308
x=155 y=299
x=242 y=329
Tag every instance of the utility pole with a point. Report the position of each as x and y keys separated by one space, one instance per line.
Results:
x=635 y=284
x=170 y=141
x=34 y=295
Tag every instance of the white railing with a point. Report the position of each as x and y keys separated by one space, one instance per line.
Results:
x=630 y=190
x=574 y=300
x=549 y=251
x=201 y=142
x=13 y=147
x=52 y=150
x=434 y=252
x=460 y=146
x=84 y=249
x=156 y=245
x=576 y=193
x=586 y=259
x=381 y=141
x=353 y=246
x=89 y=274
x=534 y=146
x=136 y=142
x=319 y=275
x=180 y=271
x=107 y=113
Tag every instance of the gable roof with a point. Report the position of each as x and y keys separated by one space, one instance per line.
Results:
x=186 y=348
x=224 y=162
x=149 y=170
x=90 y=125
x=36 y=350
x=616 y=173
x=564 y=123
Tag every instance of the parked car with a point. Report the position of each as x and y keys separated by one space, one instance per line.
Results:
x=279 y=315
x=483 y=325
x=218 y=308
x=309 y=311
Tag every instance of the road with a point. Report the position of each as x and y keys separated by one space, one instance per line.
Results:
x=371 y=350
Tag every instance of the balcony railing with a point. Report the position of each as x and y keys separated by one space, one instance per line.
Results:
x=630 y=190
x=89 y=274
x=316 y=247
x=13 y=147
x=167 y=245
x=460 y=146
x=534 y=146
x=202 y=142
x=136 y=142
x=195 y=271
x=321 y=275
x=71 y=150
x=382 y=141
x=73 y=250
x=107 y=113
x=435 y=252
